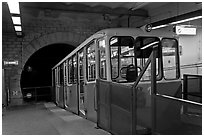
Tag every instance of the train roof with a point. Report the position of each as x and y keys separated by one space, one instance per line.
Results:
x=118 y=32
x=134 y=32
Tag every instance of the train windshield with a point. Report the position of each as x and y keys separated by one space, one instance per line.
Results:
x=128 y=57
x=122 y=55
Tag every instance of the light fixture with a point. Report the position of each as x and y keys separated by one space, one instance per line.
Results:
x=160 y=26
x=18 y=28
x=16 y=20
x=185 y=20
x=14 y=7
x=177 y=22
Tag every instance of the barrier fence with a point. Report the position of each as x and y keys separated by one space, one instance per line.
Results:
x=37 y=94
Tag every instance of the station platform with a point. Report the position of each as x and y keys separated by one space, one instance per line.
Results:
x=45 y=119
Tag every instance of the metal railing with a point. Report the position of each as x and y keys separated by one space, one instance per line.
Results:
x=37 y=93
x=192 y=88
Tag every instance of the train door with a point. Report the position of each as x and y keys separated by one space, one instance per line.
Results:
x=69 y=83
x=65 y=84
x=61 y=86
x=81 y=83
x=72 y=92
x=90 y=83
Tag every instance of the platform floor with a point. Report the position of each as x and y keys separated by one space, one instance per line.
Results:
x=45 y=119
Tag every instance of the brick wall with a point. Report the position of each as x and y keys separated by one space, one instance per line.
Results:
x=41 y=31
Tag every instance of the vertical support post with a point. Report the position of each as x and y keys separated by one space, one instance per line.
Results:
x=134 y=122
x=200 y=87
x=153 y=88
x=185 y=87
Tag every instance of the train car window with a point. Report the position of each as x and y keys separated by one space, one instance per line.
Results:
x=102 y=59
x=61 y=77
x=56 y=80
x=91 y=62
x=144 y=47
x=122 y=56
x=57 y=75
x=74 y=69
x=70 y=71
x=81 y=56
x=114 y=61
x=65 y=72
x=170 y=58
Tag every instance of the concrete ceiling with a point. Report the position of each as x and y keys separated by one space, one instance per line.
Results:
x=141 y=11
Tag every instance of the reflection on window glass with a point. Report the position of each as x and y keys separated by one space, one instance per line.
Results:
x=75 y=69
x=91 y=63
x=61 y=77
x=102 y=59
x=65 y=72
x=114 y=61
x=70 y=71
x=169 y=58
x=81 y=55
x=56 y=77
x=127 y=56
x=144 y=47
x=122 y=56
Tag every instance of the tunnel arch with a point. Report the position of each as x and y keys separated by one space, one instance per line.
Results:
x=69 y=38
x=36 y=76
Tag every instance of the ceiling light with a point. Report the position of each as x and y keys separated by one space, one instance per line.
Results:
x=185 y=20
x=18 y=28
x=16 y=20
x=160 y=26
x=14 y=7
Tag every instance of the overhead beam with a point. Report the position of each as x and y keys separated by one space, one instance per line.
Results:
x=82 y=8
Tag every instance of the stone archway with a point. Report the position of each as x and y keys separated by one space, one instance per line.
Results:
x=68 y=38
x=49 y=39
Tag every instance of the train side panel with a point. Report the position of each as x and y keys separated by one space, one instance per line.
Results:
x=72 y=97
x=90 y=101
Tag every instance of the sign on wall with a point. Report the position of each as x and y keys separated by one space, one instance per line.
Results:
x=14 y=62
x=185 y=30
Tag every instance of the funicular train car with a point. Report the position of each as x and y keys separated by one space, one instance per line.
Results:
x=128 y=81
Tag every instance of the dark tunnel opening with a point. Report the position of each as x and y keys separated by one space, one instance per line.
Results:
x=36 y=77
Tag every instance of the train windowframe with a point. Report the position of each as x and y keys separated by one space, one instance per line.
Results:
x=75 y=68
x=99 y=58
x=61 y=75
x=159 y=64
x=177 y=61
x=91 y=43
x=70 y=71
x=159 y=56
x=64 y=73
x=118 y=56
x=56 y=80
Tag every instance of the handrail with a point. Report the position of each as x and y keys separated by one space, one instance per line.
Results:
x=186 y=87
x=143 y=70
x=179 y=99
x=193 y=75
x=37 y=87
